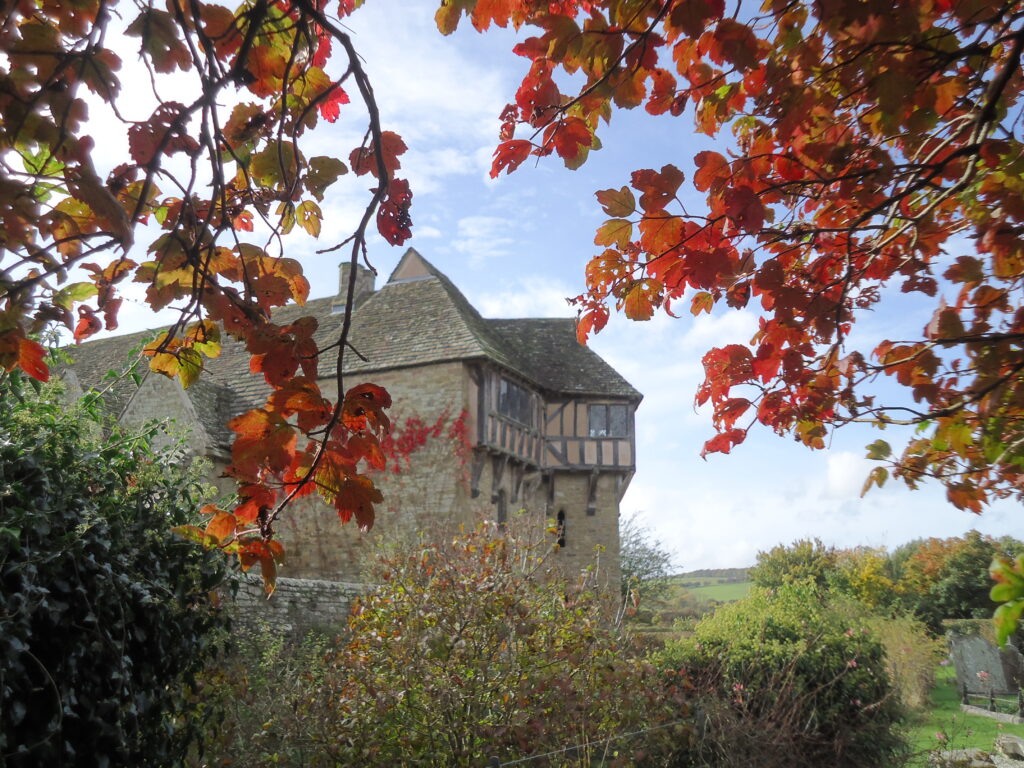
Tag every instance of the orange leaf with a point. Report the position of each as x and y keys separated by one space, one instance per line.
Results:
x=30 y=359
x=615 y=232
x=222 y=526
x=702 y=302
x=618 y=203
x=711 y=170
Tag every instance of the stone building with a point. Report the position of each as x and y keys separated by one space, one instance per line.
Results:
x=544 y=424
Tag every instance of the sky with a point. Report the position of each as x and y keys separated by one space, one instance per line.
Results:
x=517 y=246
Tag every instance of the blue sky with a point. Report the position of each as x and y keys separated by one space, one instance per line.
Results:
x=517 y=247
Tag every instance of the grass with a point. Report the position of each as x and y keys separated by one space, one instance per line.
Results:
x=961 y=730
x=723 y=593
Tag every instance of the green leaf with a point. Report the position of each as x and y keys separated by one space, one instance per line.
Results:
x=190 y=365
x=879 y=450
x=1006 y=619
x=878 y=476
x=69 y=295
x=323 y=171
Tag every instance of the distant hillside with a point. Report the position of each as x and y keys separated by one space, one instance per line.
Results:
x=721 y=575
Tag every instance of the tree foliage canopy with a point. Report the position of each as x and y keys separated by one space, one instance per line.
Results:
x=212 y=171
x=876 y=149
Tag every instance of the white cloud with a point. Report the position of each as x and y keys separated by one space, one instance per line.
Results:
x=531 y=296
x=845 y=474
x=484 y=237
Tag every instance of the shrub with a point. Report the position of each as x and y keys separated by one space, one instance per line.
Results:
x=785 y=679
x=469 y=648
x=104 y=614
x=911 y=655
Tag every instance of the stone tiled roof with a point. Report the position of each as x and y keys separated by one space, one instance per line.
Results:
x=407 y=322
x=548 y=353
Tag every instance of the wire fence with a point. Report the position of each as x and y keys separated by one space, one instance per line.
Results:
x=495 y=762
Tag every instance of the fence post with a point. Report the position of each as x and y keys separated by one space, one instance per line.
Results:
x=991 y=700
x=965 y=699
x=1020 y=702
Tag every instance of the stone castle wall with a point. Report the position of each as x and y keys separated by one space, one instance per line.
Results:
x=429 y=491
x=297 y=605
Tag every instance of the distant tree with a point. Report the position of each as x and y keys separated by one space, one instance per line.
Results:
x=645 y=563
x=803 y=560
x=949 y=578
x=865 y=573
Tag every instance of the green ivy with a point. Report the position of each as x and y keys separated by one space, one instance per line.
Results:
x=105 y=616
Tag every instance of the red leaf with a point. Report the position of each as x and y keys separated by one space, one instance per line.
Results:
x=591 y=321
x=393 y=220
x=723 y=442
x=330 y=108
x=744 y=207
x=110 y=309
x=712 y=169
x=510 y=155
x=164 y=133
x=363 y=409
x=658 y=188
x=363 y=159
x=31 y=356
x=734 y=43
x=265 y=441
x=357 y=496
x=572 y=138
x=88 y=324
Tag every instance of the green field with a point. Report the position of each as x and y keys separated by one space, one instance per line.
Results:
x=960 y=730
x=723 y=593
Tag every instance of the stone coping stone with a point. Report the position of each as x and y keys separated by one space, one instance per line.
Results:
x=1002 y=717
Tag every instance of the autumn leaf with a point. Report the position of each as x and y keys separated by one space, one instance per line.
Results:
x=356 y=497
x=363 y=159
x=323 y=172
x=639 y=301
x=744 y=207
x=309 y=216
x=264 y=438
x=657 y=188
x=702 y=302
x=160 y=40
x=363 y=409
x=618 y=203
x=510 y=155
x=711 y=170
x=31 y=359
x=330 y=107
x=393 y=220
x=88 y=324
x=617 y=232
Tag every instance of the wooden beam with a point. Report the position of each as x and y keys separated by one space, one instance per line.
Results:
x=476 y=470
